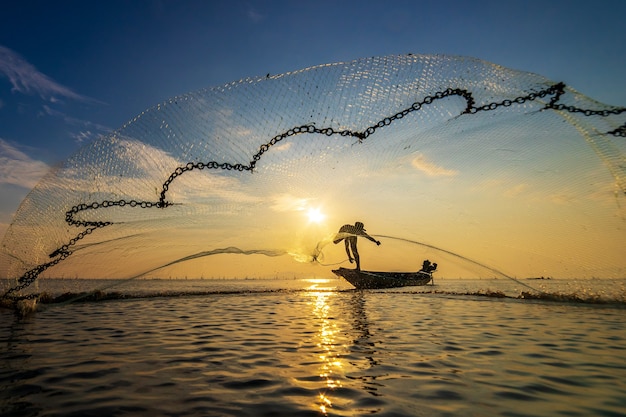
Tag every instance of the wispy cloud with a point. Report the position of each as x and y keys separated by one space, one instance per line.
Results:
x=26 y=79
x=17 y=168
x=90 y=130
x=82 y=136
x=254 y=15
x=516 y=190
x=143 y=167
x=431 y=169
x=288 y=202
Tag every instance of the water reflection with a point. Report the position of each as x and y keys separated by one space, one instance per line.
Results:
x=363 y=346
x=331 y=365
x=346 y=345
x=15 y=357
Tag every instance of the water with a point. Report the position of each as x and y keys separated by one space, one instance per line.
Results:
x=316 y=347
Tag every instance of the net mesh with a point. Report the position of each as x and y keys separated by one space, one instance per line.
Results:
x=481 y=167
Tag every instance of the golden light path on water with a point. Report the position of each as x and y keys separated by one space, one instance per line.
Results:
x=330 y=360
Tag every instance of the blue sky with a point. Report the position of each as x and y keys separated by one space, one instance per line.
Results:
x=73 y=70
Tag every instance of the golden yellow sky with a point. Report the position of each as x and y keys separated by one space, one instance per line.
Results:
x=520 y=191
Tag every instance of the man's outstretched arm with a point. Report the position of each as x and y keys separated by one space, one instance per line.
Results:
x=371 y=238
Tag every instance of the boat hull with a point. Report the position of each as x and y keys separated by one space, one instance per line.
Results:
x=375 y=280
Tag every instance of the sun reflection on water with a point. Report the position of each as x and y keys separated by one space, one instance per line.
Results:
x=331 y=366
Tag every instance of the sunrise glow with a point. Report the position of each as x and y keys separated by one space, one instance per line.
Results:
x=315 y=215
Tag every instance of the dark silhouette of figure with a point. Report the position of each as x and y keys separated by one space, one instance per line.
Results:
x=352 y=231
x=428 y=267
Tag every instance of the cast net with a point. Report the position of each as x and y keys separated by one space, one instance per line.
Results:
x=486 y=169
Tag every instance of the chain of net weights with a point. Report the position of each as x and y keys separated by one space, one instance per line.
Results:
x=64 y=251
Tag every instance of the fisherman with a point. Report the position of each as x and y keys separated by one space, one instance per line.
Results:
x=428 y=267
x=348 y=233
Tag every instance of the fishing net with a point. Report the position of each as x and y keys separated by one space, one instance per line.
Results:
x=484 y=169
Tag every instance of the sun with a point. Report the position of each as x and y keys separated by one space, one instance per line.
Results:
x=315 y=215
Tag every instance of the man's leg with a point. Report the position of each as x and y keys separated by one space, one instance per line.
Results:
x=355 y=252
x=347 y=243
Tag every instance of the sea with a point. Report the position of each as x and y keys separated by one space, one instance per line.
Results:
x=316 y=347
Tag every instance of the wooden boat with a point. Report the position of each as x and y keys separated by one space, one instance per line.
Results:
x=375 y=280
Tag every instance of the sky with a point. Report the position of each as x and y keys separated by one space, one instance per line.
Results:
x=71 y=71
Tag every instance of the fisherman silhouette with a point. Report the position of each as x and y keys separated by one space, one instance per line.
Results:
x=348 y=233
x=428 y=267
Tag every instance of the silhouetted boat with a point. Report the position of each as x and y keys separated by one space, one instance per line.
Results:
x=374 y=279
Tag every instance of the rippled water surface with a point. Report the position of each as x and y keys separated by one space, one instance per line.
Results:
x=315 y=351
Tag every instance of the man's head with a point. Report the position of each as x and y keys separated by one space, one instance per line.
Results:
x=359 y=226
